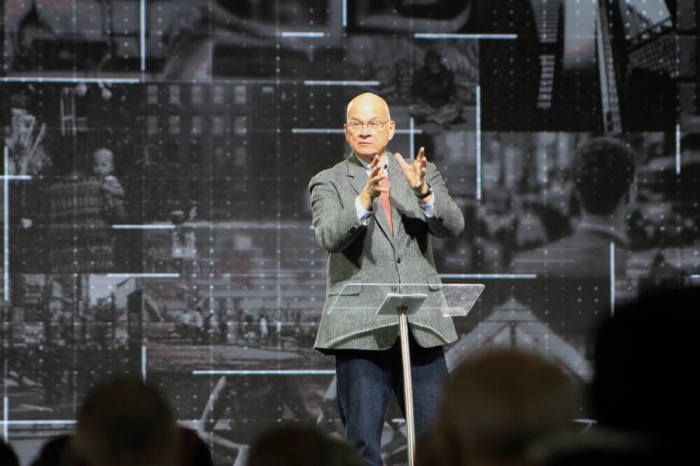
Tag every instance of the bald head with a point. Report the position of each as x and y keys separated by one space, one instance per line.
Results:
x=370 y=101
x=368 y=128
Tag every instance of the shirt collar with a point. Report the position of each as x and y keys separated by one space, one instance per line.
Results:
x=367 y=166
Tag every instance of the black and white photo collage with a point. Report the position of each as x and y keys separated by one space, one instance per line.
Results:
x=155 y=212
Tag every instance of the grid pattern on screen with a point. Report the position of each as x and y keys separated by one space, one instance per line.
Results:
x=156 y=218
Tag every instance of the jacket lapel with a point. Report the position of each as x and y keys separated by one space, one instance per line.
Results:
x=356 y=174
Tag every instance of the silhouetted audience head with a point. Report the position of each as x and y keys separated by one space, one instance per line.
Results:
x=602 y=170
x=494 y=406
x=126 y=422
x=296 y=445
x=645 y=364
x=54 y=452
x=7 y=455
x=193 y=450
x=644 y=392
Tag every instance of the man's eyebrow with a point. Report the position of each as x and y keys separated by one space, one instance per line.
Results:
x=370 y=120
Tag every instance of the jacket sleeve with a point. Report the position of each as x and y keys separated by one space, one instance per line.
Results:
x=448 y=220
x=335 y=221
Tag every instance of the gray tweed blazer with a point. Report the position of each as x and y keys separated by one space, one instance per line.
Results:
x=372 y=254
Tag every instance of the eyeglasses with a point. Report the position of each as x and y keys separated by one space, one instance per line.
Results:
x=374 y=126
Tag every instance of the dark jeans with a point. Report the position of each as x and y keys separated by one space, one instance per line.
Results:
x=365 y=380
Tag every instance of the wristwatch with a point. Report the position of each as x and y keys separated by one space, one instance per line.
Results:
x=425 y=194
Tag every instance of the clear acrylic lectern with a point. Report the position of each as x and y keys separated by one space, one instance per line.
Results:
x=388 y=305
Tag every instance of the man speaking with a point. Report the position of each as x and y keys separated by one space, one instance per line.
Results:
x=375 y=214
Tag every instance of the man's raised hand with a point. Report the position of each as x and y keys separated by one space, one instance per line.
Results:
x=415 y=171
x=373 y=187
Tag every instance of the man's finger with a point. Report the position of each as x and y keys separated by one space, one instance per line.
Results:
x=421 y=153
x=399 y=158
x=376 y=178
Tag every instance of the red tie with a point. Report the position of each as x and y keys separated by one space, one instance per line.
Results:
x=384 y=198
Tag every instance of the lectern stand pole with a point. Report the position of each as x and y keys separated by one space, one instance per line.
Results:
x=407 y=383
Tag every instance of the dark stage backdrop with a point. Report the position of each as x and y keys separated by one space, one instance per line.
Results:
x=155 y=213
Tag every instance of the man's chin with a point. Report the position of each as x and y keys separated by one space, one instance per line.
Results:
x=367 y=154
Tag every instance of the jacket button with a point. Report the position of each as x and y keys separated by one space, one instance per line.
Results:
x=398 y=260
